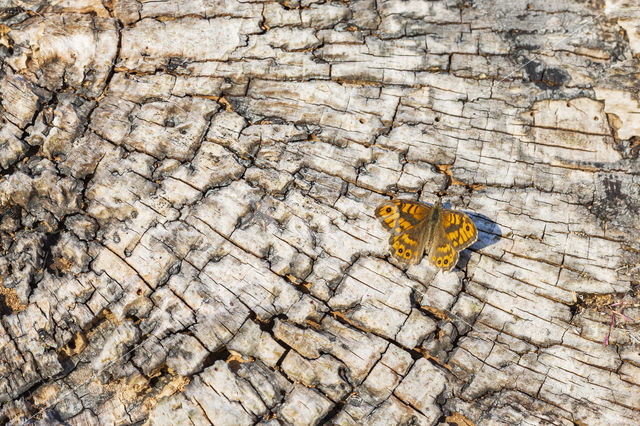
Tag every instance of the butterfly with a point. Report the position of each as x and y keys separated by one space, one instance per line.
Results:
x=416 y=226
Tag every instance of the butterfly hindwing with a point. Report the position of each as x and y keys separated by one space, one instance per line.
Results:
x=406 y=220
x=442 y=254
x=459 y=229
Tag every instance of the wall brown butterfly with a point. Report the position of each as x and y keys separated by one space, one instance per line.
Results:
x=416 y=227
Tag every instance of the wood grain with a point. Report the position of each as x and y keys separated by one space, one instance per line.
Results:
x=187 y=195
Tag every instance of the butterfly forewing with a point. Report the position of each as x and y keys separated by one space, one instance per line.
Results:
x=406 y=220
x=459 y=229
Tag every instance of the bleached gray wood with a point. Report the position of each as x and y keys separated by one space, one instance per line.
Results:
x=186 y=211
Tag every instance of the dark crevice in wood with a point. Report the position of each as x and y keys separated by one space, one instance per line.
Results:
x=221 y=354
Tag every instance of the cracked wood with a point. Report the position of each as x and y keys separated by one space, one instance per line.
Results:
x=187 y=192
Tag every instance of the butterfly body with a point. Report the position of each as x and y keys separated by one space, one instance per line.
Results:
x=417 y=228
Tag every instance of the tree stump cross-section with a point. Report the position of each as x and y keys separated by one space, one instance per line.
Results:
x=187 y=197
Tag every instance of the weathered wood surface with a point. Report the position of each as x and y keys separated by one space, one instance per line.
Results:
x=187 y=199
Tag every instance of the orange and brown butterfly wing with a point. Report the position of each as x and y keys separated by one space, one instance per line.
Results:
x=407 y=222
x=459 y=229
x=442 y=254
